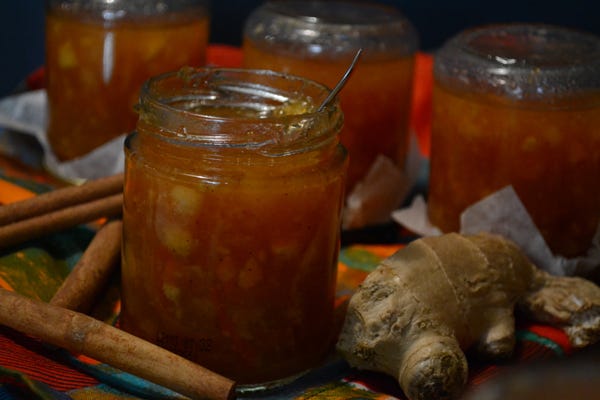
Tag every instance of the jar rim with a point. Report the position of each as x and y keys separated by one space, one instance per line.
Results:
x=237 y=107
x=520 y=61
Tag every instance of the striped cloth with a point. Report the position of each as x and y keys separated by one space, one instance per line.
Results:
x=30 y=369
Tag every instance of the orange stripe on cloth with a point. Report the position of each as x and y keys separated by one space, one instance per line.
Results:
x=5 y=285
x=10 y=193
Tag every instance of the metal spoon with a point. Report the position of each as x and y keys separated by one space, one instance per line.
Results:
x=341 y=83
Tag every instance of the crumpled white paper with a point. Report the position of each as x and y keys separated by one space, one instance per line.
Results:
x=26 y=114
x=503 y=213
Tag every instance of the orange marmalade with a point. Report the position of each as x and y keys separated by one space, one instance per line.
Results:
x=97 y=60
x=519 y=105
x=317 y=40
x=232 y=211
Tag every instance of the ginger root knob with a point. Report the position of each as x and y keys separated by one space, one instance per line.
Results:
x=417 y=312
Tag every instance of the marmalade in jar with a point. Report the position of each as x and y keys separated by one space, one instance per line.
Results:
x=318 y=40
x=232 y=208
x=375 y=101
x=96 y=67
x=528 y=117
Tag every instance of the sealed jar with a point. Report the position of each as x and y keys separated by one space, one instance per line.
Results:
x=232 y=203
x=99 y=53
x=318 y=40
x=519 y=105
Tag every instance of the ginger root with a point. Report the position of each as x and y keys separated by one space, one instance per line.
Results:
x=417 y=312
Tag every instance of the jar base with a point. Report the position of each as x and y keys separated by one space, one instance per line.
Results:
x=250 y=390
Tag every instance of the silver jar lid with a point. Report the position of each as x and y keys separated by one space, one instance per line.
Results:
x=329 y=29
x=521 y=62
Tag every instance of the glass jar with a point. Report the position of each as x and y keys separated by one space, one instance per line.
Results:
x=519 y=105
x=318 y=39
x=99 y=53
x=231 y=217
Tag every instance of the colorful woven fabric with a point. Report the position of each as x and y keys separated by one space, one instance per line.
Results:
x=30 y=369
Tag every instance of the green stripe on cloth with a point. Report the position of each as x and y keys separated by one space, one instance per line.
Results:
x=359 y=258
x=543 y=341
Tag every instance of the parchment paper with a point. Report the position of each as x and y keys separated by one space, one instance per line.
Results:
x=503 y=213
x=25 y=114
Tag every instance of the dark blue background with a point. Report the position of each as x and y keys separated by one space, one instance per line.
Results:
x=22 y=24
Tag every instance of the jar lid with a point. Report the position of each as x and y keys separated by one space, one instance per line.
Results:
x=320 y=29
x=529 y=62
x=116 y=10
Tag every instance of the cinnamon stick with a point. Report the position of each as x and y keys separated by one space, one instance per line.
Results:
x=61 y=198
x=59 y=220
x=91 y=273
x=82 y=334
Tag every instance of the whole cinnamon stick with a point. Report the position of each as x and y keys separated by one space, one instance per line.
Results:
x=91 y=273
x=60 y=198
x=81 y=334
x=59 y=220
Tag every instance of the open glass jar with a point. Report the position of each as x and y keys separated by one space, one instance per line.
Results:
x=232 y=207
x=98 y=55
x=318 y=39
x=519 y=105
